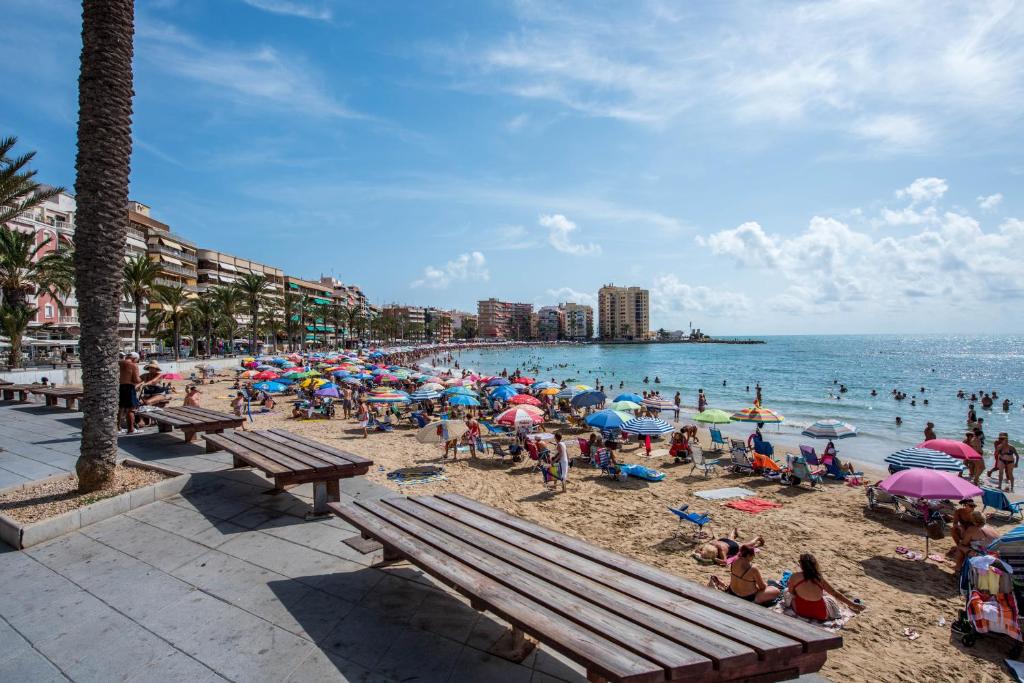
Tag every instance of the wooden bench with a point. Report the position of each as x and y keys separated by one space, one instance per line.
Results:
x=192 y=420
x=70 y=395
x=22 y=391
x=292 y=460
x=621 y=619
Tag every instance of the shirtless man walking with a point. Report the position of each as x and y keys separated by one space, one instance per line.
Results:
x=128 y=399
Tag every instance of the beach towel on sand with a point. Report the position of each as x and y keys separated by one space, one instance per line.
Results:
x=723 y=494
x=845 y=614
x=753 y=505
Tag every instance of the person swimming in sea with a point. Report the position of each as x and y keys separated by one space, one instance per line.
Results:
x=656 y=380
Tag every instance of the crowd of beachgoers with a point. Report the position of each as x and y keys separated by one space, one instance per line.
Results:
x=635 y=473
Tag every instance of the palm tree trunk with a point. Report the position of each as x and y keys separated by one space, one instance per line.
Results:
x=138 y=321
x=255 y=322
x=101 y=188
x=177 y=340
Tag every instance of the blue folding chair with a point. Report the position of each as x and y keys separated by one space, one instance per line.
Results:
x=717 y=442
x=997 y=500
x=695 y=518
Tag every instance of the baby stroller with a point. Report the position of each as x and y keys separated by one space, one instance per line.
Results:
x=986 y=582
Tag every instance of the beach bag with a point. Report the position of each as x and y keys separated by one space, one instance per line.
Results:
x=936 y=530
x=833 y=608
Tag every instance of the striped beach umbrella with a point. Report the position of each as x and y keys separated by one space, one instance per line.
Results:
x=758 y=414
x=658 y=403
x=389 y=397
x=830 y=429
x=544 y=385
x=424 y=395
x=523 y=399
x=1014 y=536
x=441 y=431
x=925 y=458
x=647 y=426
x=519 y=415
x=568 y=392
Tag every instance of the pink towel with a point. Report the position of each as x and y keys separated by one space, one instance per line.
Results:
x=752 y=505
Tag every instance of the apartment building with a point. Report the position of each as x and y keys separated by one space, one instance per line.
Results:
x=217 y=268
x=437 y=324
x=577 y=321
x=493 y=318
x=349 y=296
x=624 y=313
x=550 y=323
x=177 y=255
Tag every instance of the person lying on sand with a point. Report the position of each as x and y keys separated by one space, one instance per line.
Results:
x=721 y=550
x=811 y=596
x=745 y=580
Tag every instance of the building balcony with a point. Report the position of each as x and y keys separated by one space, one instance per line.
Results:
x=181 y=255
x=178 y=270
x=68 y=320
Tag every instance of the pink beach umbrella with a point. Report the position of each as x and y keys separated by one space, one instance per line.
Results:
x=519 y=415
x=927 y=484
x=955 y=449
x=171 y=375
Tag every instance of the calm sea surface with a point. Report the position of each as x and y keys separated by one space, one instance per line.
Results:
x=799 y=376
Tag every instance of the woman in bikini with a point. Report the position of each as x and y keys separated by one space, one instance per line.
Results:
x=745 y=580
x=809 y=591
x=721 y=550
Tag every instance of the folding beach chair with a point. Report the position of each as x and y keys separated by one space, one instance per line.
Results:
x=799 y=471
x=697 y=519
x=717 y=442
x=997 y=500
x=701 y=461
x=493 y=429
x=810 y=456
x=602 y=460
x=741 y=462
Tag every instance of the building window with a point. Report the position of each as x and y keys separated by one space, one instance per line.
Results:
x=48 y=311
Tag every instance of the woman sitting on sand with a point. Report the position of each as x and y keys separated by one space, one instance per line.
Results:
x=974 y=539
x=745 y=580
x=721 y=550
x=811 y=596
x=680 y=448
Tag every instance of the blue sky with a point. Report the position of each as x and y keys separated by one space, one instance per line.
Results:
x=835 y=166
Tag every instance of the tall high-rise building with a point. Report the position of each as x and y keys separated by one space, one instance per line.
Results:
x=550 y=323
x=624 y=313
x=493 y=318
x=577 y=321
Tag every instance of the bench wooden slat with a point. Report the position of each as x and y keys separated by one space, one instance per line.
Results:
x=255 y=459
x=243 y=439
x=209 y=414
x=351 y=457
x=327 y=459
x=311 y=462
x=726 y=652
x=172 y=420
x=814 y=639
x=562 y=634
x=767 y=644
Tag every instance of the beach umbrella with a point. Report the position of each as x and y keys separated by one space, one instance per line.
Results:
x=954 y=449
x=390 y=397
x=248 y=374
x=328 y=392
x=171 y=375
x=431 y=386
x=624 y=405
x=424 y=395
x=549 y=391
x=568 y=392
x=608 y=419
x=545 y=385
x=352 y=380
x=647 y=426
x=292 y=375
x=264 y=366
x=758 y=414
x=658 y=403
x=630 y=397
x=454 y=391
x=924 y=458
x=830 y=429
x=1014 y=536
x=928 y=484
x=503 y=393
x=270 y=387
x=497 y=382
x=313 y=382
x=462 y=400
x=585 y=399
x=525 y=380
x=517 y=386
x=441 y=431
x=266 y=374
x=519 y=415
x=519 y=399
x=385 y=379
x=713 y=416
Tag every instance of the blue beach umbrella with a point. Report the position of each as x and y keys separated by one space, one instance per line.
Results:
x=607 y=419
x=924 y=458
x=497 y=382
x=462 y=400
x=585 y=399
x=647 y=426
x=629 y=397
x=568 y=392
x=537 y=386
x=328 y=392
x=460 y=391
x=503 y=393
x=270 y=387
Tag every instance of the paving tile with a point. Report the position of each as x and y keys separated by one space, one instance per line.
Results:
x=282 y=556
x=420 y=656
x=446 y=614
x=396 y=598
x=557 y=665
x=474 y=665
x=157 y=547
x=29 y=665
x=322 y=666
x=10 y=479
x=232 y=642
x=176 y=666
x=31 y=469
x=186 y=522
x=363 y=636
x=213 y=505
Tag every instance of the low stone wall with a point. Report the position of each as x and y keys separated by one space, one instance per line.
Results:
x=73 y=376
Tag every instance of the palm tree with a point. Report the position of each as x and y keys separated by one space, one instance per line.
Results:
x=14 y=320
x=101 y=189
x=320 y=314
x=272 y=318
x=174 y=310
x=229 y=301
x=19 y=192
x=139 y=276
x=254 y=288
x=289 y=306
x=336 y=314
x=353 y=315
x=204 y=314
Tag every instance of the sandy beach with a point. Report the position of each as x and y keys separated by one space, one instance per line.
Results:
x=855 y=546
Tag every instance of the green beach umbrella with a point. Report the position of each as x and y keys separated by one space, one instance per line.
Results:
x=713 y=416
x=624 y=405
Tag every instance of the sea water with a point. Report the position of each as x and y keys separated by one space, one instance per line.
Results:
x=800 y=378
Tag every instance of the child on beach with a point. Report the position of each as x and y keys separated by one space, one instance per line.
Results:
x=239 y=406
x=191 y=397
x=563 y=461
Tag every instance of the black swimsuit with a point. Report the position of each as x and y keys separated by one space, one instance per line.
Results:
x=734 y=547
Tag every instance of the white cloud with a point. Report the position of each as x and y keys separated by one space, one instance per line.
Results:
x=292 y=8
x=517 y=123
x=951 y=259
x=989 y=202
x=560 y=231
x=465 y=268
x=568 y=294
x=260 y=75
x=924 y=191
x=869 y=69
x=671 y=297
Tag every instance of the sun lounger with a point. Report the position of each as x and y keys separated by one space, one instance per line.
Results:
x=997 y=500
x=291 y=460
x=697 y=519
x=494 y=429
x=617 y=618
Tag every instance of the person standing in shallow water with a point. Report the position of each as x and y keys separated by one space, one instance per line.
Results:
x=702 y=401
x=929 y=431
